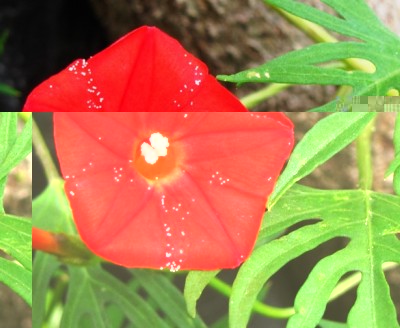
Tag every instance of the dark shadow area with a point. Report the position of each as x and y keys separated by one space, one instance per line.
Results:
x=44 y=37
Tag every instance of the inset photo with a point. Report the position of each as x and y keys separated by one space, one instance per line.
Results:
x=216 y=219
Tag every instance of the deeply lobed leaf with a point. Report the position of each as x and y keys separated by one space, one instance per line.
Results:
x=368 y=219
x=378 y=45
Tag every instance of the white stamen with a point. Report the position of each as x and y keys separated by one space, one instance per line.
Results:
x=149 y=153
x=159 y=143
x=158 y=147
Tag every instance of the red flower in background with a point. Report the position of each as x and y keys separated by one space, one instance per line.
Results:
x=171 y=190
x=144 y=71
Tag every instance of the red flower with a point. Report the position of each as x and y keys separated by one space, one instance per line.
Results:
x=171 y=190
x=145 y=71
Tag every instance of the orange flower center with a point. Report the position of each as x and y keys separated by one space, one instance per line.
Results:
x=155 y=158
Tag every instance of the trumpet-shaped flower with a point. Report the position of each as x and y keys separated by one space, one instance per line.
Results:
x=171 y=190
x=144 y=71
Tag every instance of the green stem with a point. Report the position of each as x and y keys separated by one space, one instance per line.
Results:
x=346 y=284
x=364 y=160
x=43 y=154
x=314 y=31
x=283 y=313
x=255 y=98
x=57 y=294
x=258 y=307
x=396 y=143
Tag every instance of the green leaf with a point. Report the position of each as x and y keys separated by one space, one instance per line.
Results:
x=167 y=297
x=325 y=139
x=18 y=278
x=368 y=219
x=51 y=211
x=223 y=322
x=394 y=167
x=13 y=147
x=8 y=133
x=44 y=267
x=95 y=298
x=15 y=240
x=396 y=142
x=396 y=134
x=195 y=283
x=396 y=181
x=3 y=182
x=91 y=290
x=331 y=324
x=10 y=91
x=376 y=44
x=15 y=232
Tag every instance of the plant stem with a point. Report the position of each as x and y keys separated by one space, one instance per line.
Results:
x=43 y=154
x=258 y=307
x=346 y=284
x=314 y=31
x=364 y=160
x=259 y=96
x=396 y=143
x=283 y=313
x=56 y=295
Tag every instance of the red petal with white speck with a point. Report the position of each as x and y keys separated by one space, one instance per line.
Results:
x=144 y=71
x=200 y=208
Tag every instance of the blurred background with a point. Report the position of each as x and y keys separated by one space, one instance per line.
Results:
x=44 y=36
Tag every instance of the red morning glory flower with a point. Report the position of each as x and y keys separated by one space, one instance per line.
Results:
x=171 y=190
x=144 y=71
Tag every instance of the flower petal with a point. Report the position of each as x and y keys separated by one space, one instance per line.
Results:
x=146 y=70
x=205 y=217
